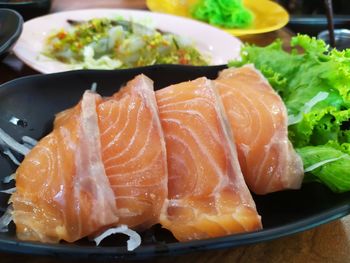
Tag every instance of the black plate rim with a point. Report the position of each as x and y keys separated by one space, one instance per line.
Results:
x=102 y=71
x=15 y=34
x=231 y=241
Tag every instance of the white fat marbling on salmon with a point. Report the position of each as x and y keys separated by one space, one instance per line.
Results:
x=194 y=114
x=258 y=119
x=134 y=153
x=62 y=189
x=122 y=129
x=130 y=143
x=206 y=185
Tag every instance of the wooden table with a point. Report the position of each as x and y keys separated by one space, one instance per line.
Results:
x=326 y=243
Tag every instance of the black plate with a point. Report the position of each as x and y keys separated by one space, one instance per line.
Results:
x=28 y=8
x=11 y=24
x=36 y=99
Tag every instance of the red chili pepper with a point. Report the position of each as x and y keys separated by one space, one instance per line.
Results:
x=182 y=59
x=61 y=35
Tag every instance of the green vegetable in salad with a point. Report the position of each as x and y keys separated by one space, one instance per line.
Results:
x=314 y=83
x=224 y=13
x=114 y=43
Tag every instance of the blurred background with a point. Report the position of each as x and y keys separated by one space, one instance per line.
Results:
x=308 y=16
x=314 y=7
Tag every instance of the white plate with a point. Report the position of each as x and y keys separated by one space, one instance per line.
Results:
x=220 y=46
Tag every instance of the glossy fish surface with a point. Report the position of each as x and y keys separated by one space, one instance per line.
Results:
x=207 y=193
x=258 y=118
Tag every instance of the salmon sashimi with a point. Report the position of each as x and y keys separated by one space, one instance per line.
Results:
x=62 y=191
x=139 y=158
x=63 y=116
x=258 y=118
x=207 y=195
x=133 y=152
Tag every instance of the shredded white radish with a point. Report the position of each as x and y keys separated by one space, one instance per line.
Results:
x=14 y=120
x=11 y=156
x=6 y=219
x=134 y=238
x=9 y=178
x=29 y=146
x=319 y=164
x=7 y=140
x=8 y=191
x=93 y=87
x=293 y=119
x=31 y=142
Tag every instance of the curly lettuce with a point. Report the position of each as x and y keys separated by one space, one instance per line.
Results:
x=314 y=83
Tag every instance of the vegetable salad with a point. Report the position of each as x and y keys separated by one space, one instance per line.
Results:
x=104 y=43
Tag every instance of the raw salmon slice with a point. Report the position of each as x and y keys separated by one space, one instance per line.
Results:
x=258 y=118
x=133 y=152
x=62 y=191
x=207 y=194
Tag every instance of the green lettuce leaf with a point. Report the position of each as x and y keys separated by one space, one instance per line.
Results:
x=314 y=83
x=327 y=165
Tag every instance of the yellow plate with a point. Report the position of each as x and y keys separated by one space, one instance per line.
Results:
x=269 y=16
